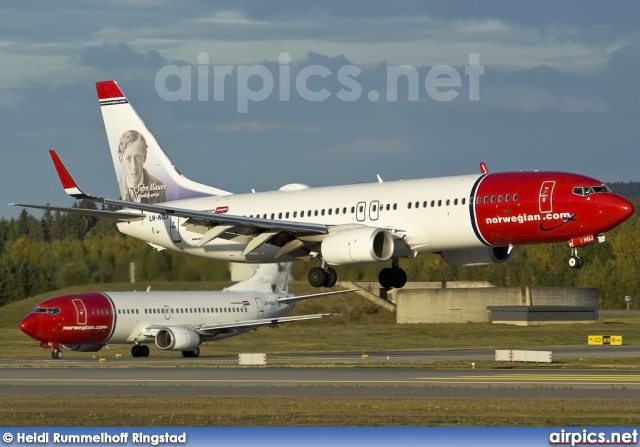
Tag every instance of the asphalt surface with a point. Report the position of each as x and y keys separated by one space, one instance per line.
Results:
x=349 y=375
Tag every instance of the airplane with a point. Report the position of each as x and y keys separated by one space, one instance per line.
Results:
x=174 y=321
x=467 y=219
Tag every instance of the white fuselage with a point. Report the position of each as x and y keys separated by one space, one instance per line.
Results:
x=445 y=223
x=135 y=311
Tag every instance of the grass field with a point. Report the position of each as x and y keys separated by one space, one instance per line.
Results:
x=359 y=326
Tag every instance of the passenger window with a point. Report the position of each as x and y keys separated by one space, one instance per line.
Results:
x=337 y=210
x=439 y=202
x=322 y=212
x=409 y=205
x=479 y=200
x=353 y=209
x=329 y=211
x=361 y=209
x=388 y=207
x=486 y=199
x=493 y=199
x=344 y=210
x=295 y=214
x=448 y=202
x=508 y=197
x=375 y=208
x=315 y=213
x=433 y=203
x=424 y=204
x=464 y=200
x=515 y=197
x=279 y=215
x=500 y=198
x=395 y=206
x=273 y=216
x=417 y=204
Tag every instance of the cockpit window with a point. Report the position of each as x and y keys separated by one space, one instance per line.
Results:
x=588 y=190
x=47 y=310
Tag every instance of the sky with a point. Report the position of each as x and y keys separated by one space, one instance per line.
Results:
x=558 y=89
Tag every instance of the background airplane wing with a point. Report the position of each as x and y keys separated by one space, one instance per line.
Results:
x=247 y=324
x=209 y=329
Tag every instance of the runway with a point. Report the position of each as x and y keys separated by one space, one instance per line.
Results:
x=345 y=375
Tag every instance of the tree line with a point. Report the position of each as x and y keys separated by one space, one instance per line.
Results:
x=60 y=250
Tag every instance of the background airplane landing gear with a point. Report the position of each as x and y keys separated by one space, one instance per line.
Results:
x=319 y=277
x=140 y=351
x=194 y=353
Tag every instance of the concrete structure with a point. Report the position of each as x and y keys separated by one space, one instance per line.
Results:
x=536 y=315
x=481 y=302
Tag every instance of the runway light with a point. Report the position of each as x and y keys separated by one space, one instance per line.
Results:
x=473 y=365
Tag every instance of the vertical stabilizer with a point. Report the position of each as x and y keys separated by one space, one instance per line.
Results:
x=144 y=172
x=270 y=278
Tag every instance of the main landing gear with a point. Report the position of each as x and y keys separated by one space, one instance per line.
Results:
x=393 y=277
x=194 y=353
x=575 y=261
x=323 y=276
x=389 y=278
x=56 y=354
x=140 y=351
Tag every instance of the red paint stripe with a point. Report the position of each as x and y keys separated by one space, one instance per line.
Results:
x=108 y=90
x=65 y=177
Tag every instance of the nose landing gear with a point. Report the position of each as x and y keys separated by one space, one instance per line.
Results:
x=575 y=261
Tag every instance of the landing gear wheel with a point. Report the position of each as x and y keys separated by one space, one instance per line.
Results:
x=56 y=354
x=400 y=279
x=136 y=351
x=332 y=277
x=386 y=278
x=143 y=351
x=576 y=262
x=194 y=353
x=318 y=277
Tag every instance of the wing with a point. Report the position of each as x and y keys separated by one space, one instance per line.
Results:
x=123 y=216
x=210 y=225
x=243 y=325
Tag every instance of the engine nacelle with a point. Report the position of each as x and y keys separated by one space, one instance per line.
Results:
x=477 y=256
x=83 y=348
x=177 y=338
x=357 y=245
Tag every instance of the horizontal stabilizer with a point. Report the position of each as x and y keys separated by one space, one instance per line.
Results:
x=289 y=299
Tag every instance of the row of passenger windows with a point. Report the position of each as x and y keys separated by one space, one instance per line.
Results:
x=387 y=207
x=500 y=198
x=447 y=202
x=324 y=212
x=198 y=310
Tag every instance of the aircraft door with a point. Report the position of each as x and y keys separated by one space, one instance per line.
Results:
x=174 y=221
x=167 y=313
x=374 y=207
x=260 y=308
x=361 y=211
x=546 y=197
x=81 y=312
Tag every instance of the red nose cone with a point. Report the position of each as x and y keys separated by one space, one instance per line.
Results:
x=30 y=325
x=622 y=209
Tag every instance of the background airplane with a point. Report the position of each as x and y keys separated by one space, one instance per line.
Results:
x=174 y=321
x=468 y=219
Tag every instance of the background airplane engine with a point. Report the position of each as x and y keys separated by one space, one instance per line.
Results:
x=357 y=245
x=177 y=338
x=477 y=256
x=84 y=348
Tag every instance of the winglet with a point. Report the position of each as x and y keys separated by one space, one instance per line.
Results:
x=69 y=185
x=483 y=168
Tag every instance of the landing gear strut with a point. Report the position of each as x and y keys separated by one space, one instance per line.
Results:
x=575 y=261
x=323 y=276
x=393 y=277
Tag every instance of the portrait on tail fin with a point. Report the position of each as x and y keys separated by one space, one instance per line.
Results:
x=135 y=182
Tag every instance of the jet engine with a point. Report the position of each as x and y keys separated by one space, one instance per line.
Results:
x=357 y=245
x=477 y=256
x=177 y=338
x=83 y=348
